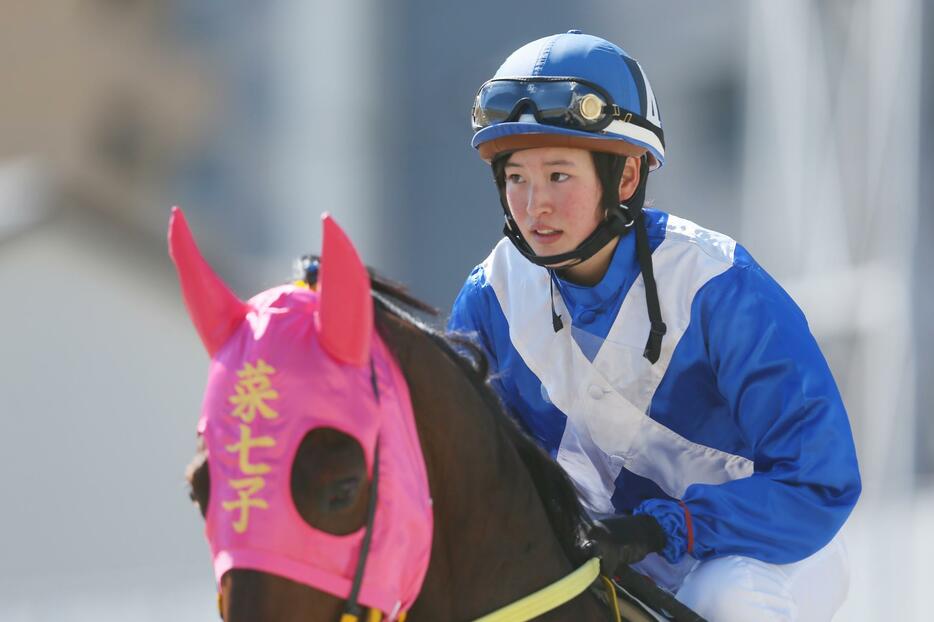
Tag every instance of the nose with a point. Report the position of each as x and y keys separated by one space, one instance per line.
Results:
x=539 y=200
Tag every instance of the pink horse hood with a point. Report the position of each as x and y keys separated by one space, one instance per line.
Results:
x=271 y=382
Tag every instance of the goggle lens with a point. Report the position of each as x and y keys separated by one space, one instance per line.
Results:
x=565 y=103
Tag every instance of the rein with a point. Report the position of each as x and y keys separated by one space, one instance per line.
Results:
x=560 y=592
x=551 y=597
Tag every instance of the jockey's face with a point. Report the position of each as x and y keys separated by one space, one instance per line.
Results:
x=554 y=196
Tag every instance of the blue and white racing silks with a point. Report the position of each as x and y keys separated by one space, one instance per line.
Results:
x=736 y=440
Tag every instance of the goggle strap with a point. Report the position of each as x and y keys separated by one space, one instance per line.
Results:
x=616 y=111
x=628 y=116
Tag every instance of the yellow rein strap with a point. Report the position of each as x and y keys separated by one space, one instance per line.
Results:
x=547 y=598
x=535 y=604
x=374 y=615
x=611 y=594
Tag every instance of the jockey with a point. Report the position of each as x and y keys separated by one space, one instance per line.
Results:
x=674 y=380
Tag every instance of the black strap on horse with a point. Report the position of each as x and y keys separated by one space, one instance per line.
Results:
x=658 y=600
x=352 y=610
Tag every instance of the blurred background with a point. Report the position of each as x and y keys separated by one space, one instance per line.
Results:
x=796 y=127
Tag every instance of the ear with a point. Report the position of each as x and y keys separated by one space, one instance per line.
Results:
x=629 y=180
x=345 y=307
x=214 y=310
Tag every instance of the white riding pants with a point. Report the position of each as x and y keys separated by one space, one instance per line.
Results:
x=742 y=589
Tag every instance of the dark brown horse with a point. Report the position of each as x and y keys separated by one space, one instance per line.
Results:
x=506 y=518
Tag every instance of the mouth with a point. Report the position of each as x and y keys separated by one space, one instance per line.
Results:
x=546 y=235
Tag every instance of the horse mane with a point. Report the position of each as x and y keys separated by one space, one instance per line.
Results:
x=559 y=498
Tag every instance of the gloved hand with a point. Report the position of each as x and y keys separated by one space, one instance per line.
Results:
x=626 y=540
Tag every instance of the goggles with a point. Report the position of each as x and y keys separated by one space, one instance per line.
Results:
x=566 y=102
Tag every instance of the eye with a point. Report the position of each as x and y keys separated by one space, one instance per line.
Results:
x=342 y=493
x=514 y=178
x=559 y=177
x=329 y=483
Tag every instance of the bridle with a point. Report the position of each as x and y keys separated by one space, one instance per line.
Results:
x=352 y=609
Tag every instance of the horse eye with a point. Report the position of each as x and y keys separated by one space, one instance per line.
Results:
x=330 y=488
x=343 y=492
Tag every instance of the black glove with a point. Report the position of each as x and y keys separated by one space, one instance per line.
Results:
x=626 y=540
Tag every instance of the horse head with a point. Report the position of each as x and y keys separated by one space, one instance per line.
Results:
x=312 y=474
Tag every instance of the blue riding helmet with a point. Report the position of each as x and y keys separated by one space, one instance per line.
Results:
x=570 y=90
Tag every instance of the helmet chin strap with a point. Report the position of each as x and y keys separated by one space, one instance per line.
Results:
x=619 y=221
x=616 y=223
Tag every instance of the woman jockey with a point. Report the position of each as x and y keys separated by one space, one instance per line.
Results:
x=659 y=364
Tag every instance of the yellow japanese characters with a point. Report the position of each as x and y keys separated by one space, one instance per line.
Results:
x=253 y=389
x=252 y=392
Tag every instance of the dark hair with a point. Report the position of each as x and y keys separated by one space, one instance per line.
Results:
x=609 y=168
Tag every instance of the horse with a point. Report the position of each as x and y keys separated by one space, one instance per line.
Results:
x=500 y=518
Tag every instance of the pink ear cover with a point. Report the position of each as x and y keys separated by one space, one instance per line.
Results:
x=346 y=310
x=214 y=309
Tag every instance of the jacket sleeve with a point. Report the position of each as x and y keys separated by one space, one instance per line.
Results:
x=788 y=409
